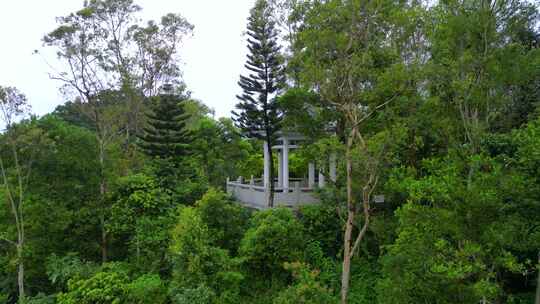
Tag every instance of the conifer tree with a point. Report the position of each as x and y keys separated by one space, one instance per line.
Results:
x=166 y=135
x=258 y=114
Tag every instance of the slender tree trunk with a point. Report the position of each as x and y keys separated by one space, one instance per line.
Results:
x=17 y=210
x=271 y=174
x=347 y=245
x=20 y=272
x=346 y=271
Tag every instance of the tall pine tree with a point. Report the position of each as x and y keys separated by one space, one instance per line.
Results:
x=258 y=115
x=166 y=135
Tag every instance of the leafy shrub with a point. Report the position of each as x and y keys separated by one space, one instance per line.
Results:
x=275 y=236
x=61 y=269
x=199 y=295
x=147 y=289
x=102 y=288
x=329 y=268
x=306 y=289
x=40 y=299
x=142 y=213
x=4 y=298
x=322 y=224
x=364 y=277
x=196 y=260
x=226 y=221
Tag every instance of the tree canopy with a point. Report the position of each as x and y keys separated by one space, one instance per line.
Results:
x=430 y=109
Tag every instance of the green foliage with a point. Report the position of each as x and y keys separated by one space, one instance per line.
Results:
x=304 y=112
x=365 y=275
x=306 y=289
x=167 y=135
x=328 y=267
x=258 y=113
x=322 y=224
x=142 y=195
x=41 y=299
x=197 y=260
x=477 y=56
x=460 y=215
x=70 y=112
x=147 y=289
x=528 y=141
x=216 y=145
x=142 y=213
x=4 y=298
x=190 y=189
x=191 y=243
x=274 y=237
x=107 y=284
x=445 y=97
x=102 y=288
x=319 y=152
x=226 y=220
x=66 y=163
x=61 y=157
x=62 y=269
x=199 y=295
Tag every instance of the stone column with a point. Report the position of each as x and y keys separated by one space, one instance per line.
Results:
x=266 y=175
x=333 y=167
x=311 y=175
x=322 y=181
x=285 y=165
x=280 y=169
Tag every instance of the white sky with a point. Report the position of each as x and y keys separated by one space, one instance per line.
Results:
x=212 y=59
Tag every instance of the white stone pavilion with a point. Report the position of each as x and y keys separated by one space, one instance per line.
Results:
x=290 y=192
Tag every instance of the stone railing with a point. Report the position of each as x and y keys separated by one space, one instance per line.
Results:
x=253 y=193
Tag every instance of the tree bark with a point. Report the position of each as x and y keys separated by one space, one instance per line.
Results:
x=349 y=247
x=346 y=270
x=270 y=198
x=17 y=210
x=20 y=273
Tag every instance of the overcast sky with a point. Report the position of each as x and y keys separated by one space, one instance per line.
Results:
x=212 y=59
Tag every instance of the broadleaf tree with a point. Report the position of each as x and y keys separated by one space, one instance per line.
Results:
x=14 y=172
x=109 y=65
x=345 y=53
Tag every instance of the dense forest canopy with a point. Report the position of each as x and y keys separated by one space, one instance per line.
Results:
x=119 y=195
